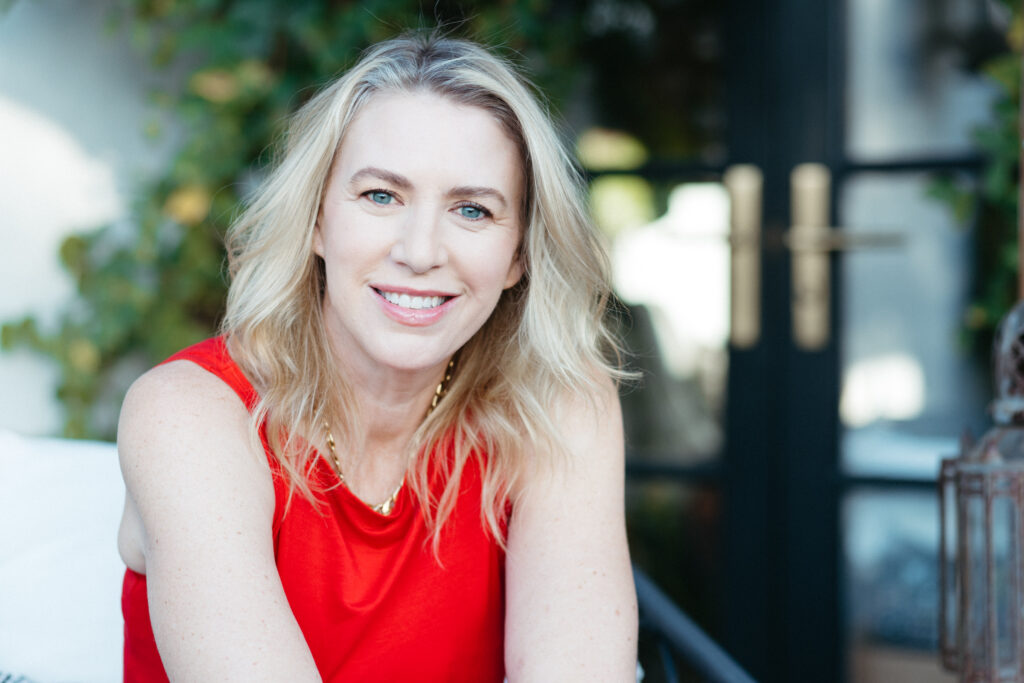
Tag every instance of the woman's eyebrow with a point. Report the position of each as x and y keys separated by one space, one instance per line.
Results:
x=473 y=191
x=399 y=181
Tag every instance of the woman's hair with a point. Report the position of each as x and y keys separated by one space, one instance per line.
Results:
x=546 y=339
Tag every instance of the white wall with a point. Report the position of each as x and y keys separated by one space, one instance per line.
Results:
x=72 y=109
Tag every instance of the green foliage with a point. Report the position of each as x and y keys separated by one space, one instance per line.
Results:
x=159 y=285
x=991 y=202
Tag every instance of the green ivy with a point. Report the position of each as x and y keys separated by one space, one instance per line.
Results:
x=990 y=204
x=151 y=290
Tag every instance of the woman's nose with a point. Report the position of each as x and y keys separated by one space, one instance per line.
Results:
x=419 y=245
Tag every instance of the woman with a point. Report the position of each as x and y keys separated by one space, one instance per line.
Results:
x=402 y=459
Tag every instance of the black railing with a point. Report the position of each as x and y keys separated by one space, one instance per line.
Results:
x=677 y=632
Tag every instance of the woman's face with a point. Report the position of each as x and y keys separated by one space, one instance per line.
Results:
x=419 y=228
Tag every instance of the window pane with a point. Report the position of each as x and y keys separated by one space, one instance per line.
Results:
x=910 y=87
x=654 y=70
x=908 y=387
x=672 y=272
x=891 y=586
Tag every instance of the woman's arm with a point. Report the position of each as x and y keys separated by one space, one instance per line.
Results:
x=204 y=499
x=571 y=605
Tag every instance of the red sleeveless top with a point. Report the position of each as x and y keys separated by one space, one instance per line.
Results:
x=369 y=595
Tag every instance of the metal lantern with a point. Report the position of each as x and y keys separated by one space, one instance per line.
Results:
x=982 y=528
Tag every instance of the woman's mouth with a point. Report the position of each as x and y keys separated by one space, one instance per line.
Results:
x=414 y=303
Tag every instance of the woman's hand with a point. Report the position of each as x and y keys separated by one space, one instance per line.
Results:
x=199 y=518
x=571 y=604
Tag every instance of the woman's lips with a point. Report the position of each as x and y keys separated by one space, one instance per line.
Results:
x=414 y=308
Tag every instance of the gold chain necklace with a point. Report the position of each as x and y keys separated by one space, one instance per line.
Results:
x=388 y=505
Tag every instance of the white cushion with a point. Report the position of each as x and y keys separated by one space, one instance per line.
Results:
x=60 y=573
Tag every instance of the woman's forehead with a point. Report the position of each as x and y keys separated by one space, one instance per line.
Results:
x=423 y=129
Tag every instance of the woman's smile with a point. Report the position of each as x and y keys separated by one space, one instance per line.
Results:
x=414 y=310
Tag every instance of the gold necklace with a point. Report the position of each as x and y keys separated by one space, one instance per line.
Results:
x=388 y=505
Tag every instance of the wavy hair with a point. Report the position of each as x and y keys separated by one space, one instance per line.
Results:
x=546 y=338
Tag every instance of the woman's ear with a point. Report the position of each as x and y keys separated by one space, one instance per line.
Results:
x=515 y=271
x=318 y=239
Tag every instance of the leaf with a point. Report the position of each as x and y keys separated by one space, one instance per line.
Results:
x=1005 y=70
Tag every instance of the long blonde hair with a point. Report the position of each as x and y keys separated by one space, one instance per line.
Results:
x=546 y=338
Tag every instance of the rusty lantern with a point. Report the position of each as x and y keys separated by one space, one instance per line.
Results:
x=981 y=493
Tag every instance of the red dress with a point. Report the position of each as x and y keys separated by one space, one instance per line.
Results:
x=371 y=599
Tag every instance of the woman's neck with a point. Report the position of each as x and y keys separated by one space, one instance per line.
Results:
x=391 y=403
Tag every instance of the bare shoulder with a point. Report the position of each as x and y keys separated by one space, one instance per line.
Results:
x=589 y=429
x=181 y=414
x=583 y=417
x=173 y=393
x=184 y=447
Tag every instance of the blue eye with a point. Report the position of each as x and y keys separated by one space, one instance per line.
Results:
x=380 y=197
x=472 y=212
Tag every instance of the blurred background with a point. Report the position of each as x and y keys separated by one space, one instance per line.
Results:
x=781 y=490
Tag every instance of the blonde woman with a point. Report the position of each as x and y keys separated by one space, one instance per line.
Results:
x=402 y=459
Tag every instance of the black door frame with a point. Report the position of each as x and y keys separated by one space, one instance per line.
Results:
x=782 y=617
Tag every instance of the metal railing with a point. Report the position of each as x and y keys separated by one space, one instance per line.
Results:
x=677 y=632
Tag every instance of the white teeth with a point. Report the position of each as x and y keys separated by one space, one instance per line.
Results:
x=413 y=302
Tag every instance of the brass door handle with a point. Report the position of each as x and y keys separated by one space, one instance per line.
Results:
x=811 y=239
x=810 y=186
x=744 y=184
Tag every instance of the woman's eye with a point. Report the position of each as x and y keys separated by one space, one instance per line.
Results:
x=472 y=212
x=380 y=197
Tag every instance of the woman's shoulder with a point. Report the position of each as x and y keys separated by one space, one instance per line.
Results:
x=587 y=436
x=180 y=384
x=590 y=412
x=203 y=372
x=182 y=417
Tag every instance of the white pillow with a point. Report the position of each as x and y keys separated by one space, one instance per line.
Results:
x=60 y=573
